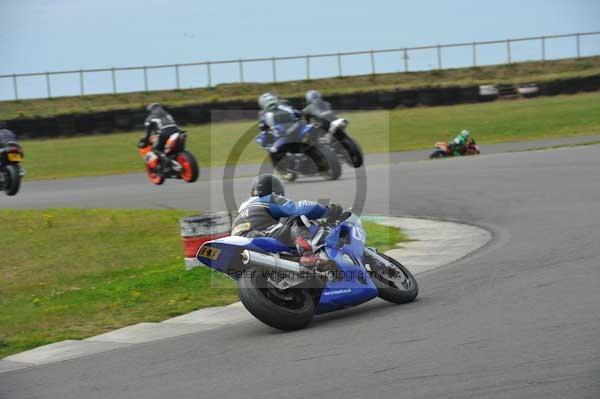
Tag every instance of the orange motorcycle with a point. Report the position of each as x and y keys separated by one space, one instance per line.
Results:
x=175 y=163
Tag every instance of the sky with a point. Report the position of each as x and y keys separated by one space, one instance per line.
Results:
x=51 y=35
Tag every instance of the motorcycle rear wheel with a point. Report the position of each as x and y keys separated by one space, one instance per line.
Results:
x=190 y=167
x=287 y=310
x=326 y=161
x=12 y=179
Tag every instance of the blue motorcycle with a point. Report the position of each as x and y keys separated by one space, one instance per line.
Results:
x=284 y=294
x=306 y=151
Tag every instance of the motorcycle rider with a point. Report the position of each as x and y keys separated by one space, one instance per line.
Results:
x=318 y=109
x=264 y=213
x=276 y=119
x=458 y=146
x=6 y=135
x=158 y=122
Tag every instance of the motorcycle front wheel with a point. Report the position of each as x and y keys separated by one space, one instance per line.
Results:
x=154 y=177
x=354 y=152
x=438 y=154
x=394 y=282
x=12 y=179
x=287 y=310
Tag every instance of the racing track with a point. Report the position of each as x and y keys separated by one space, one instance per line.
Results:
x=518 y=319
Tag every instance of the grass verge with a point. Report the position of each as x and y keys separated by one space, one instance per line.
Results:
x=513 y=73
x=71 y=274
x=377 y=131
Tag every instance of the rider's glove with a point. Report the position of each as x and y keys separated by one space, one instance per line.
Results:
x=335 y=211
x=142 y=143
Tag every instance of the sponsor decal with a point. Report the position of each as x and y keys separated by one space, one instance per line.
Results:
x=338 y=292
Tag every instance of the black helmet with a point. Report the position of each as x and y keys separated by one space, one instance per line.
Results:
x=266 y=184
x=150 y=107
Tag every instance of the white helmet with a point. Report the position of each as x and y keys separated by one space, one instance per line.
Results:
x=312 y=95
x=268 y=101
x=465 y=133
x=150 y=107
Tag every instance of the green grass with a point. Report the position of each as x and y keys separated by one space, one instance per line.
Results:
x=512 y=73
x=377 y=131
x=383 y=237
x=71 y=274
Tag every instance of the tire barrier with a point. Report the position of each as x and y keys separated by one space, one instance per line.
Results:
x=488 y=93
x=131 y=120
x=198 y=229
x=529 y=90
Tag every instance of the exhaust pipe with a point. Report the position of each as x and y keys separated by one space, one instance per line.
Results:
x=252 y=258
x=270 y=262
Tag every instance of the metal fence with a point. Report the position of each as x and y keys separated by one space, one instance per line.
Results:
x=404 y=59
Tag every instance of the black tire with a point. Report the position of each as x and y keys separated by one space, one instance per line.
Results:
x=193 y=165
x=354 y=153
x=390 y=289
x=13 y=179
x=270 y=308
x=438 y=154
x=322 y=155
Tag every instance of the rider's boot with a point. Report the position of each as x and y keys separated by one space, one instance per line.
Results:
x=307 y=257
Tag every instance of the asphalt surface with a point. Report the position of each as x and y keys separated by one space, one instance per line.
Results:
x=518 y=319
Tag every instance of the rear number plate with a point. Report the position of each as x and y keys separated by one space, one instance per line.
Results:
x=210 y=253
x=15 y=157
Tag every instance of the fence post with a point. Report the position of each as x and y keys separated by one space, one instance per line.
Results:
x=405 y=56
x=145 y=78
x=208 y=74
x=543 y=48
x=48 y=86
x=508 y=52
x=308 y=67
x=241 y=65
x=81 y=83
x=578 y=42
x=372 y=62
x=16 y=90
x=474 y=54
x=114 y=80
x=339 y=62
x=177 y=76
x=439 y=55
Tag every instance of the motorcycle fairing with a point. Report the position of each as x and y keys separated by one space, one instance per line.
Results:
x=300 y=135
x=355 y=286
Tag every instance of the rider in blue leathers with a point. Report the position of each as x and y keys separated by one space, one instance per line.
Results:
x=261 y=214
x=275 y=120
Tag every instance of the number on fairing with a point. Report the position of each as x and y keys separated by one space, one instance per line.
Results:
x=359 y=235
